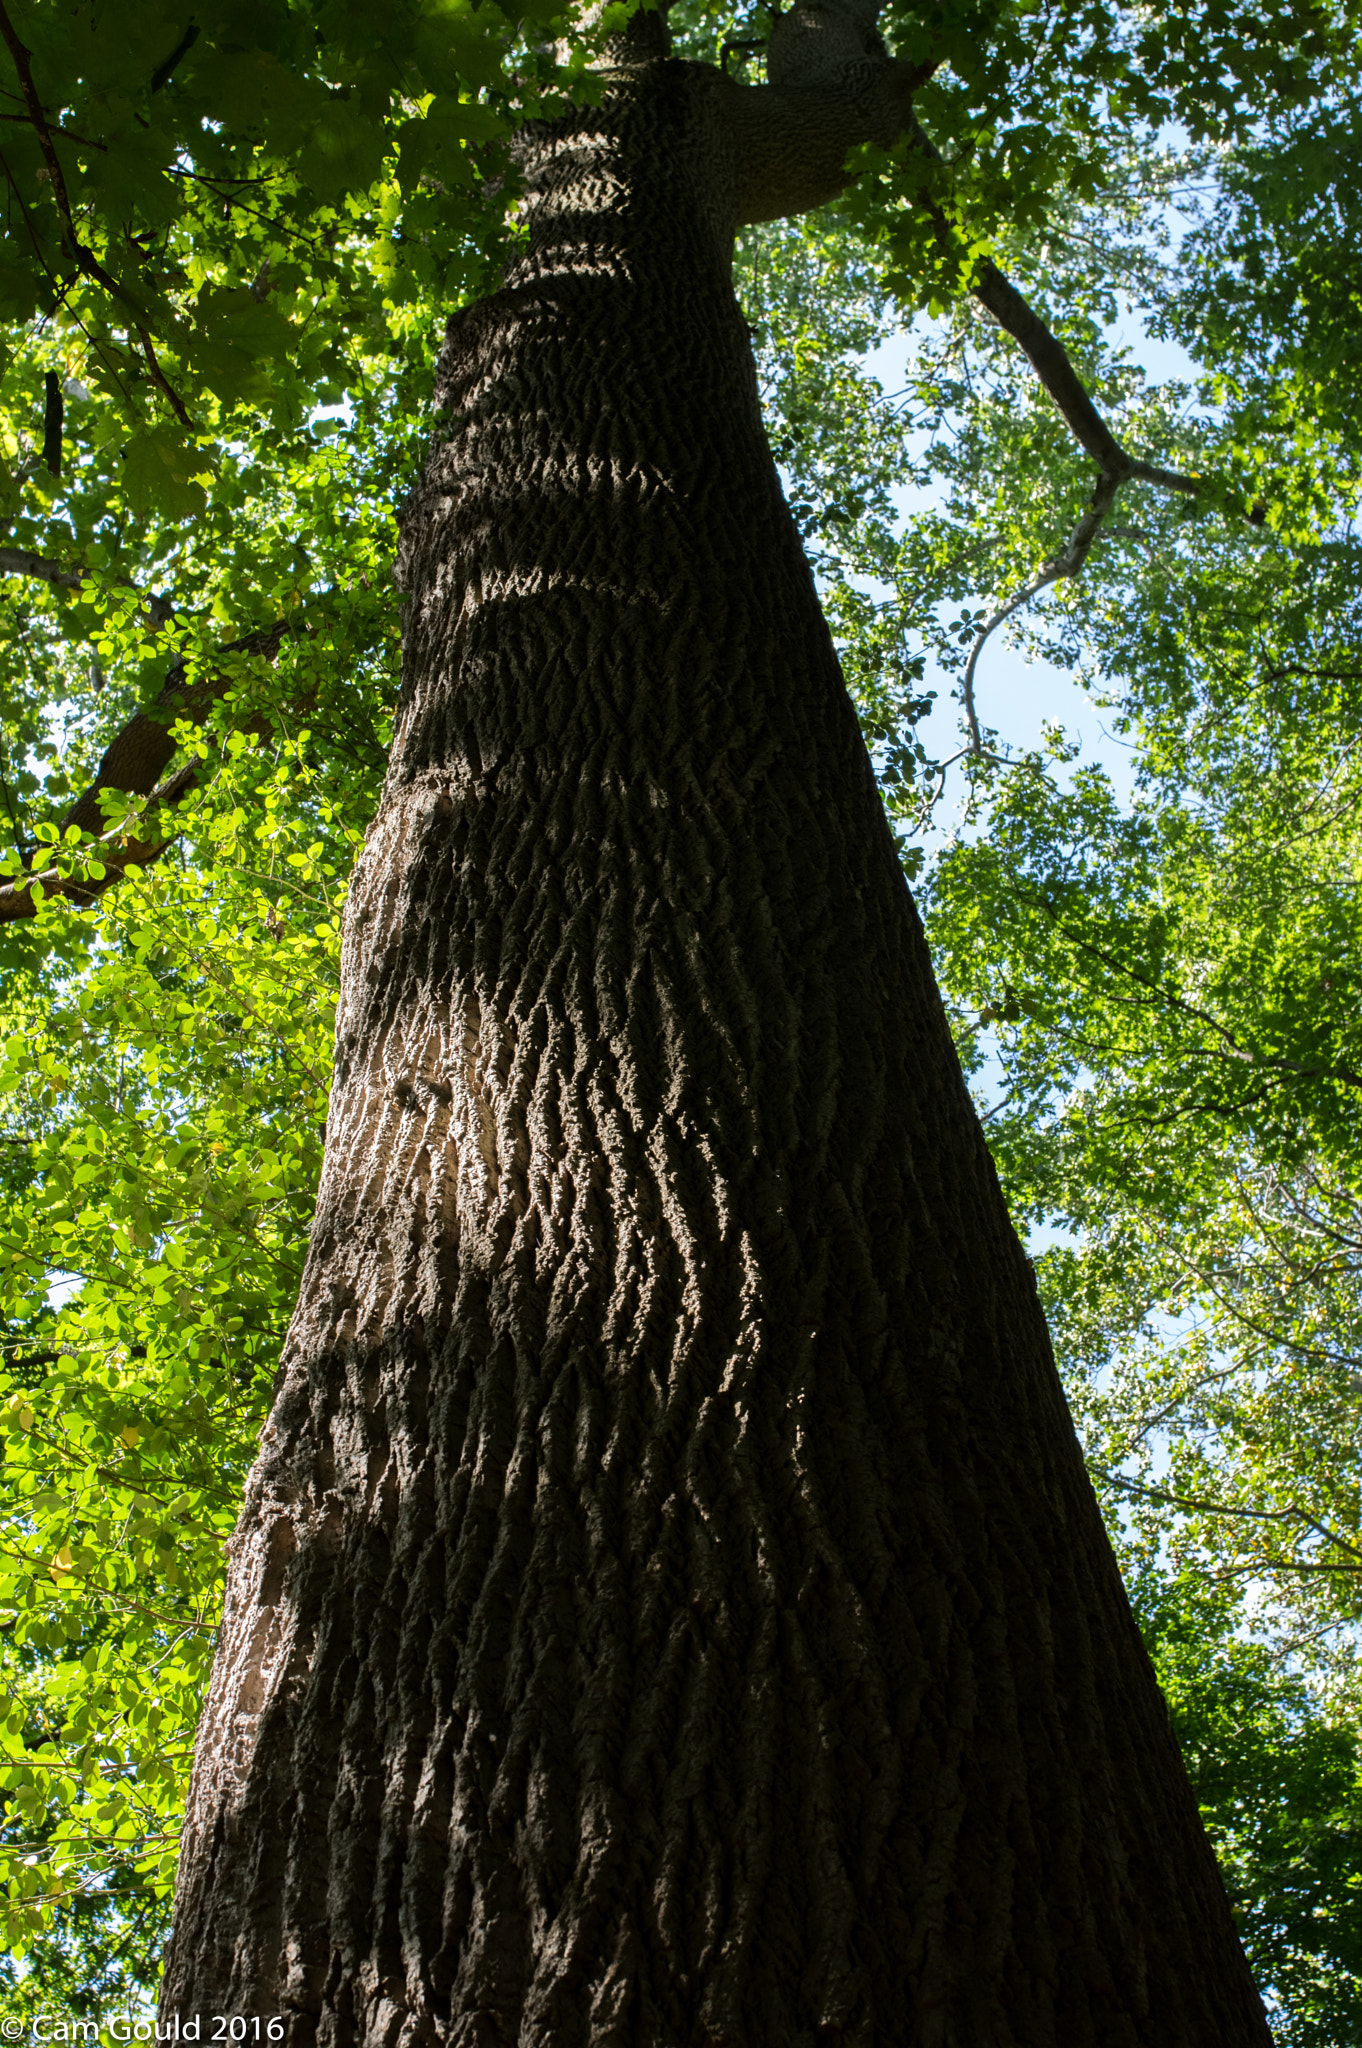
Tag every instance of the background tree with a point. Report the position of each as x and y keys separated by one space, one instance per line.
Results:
x=1172 y=968
x=288 y=576
x=1153 y=989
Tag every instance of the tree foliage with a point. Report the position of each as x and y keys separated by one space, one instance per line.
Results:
x=1280 y=1789
x=229 y=245
x=1167 y=980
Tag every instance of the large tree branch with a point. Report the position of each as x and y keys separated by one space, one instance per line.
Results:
x=106 y=860
x=138 y=754
x=133 y=763
x=793 y=140
x=830 y=87
x=22 y=562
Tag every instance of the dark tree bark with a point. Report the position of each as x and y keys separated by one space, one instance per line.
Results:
x=669 y=1607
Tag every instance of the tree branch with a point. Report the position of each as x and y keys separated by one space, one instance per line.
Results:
x=38 y=117
x=22 y=562
x=1067 y=562
x=17 y=900
x=1050 y=360
x=1044 y=351
x=19 y=562
x=86 y=258
x=133 y=763
x=1301 y=1516
x=1159 y=995
x=793 y=138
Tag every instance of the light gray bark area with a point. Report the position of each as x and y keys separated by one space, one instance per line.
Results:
x=669 y=1607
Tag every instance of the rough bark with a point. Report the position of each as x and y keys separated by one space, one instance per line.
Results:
x=669 y=1606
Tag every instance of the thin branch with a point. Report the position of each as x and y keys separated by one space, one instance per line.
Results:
x=1067 y=562
x=56 y=282
x=173 y=398
x=934 y=793
x=1340 y=1361
x=1051 y=362
x=67 y=134
x=218 y=181
x=22 y=562
x=85 y=257
x=1196 y=1391
x=120 y=1482
x=1159 y=993
x=164 y=72
x=1300 y=1516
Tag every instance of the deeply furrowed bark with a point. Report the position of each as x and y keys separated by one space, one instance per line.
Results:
x=669 y=1606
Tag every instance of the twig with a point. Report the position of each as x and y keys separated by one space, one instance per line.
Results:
x=67 y=134
x=932 y=797
x=176 y=402
x=1159 y=993
x=1340 y=1361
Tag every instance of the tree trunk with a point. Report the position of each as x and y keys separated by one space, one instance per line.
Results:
x=669 y=1607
